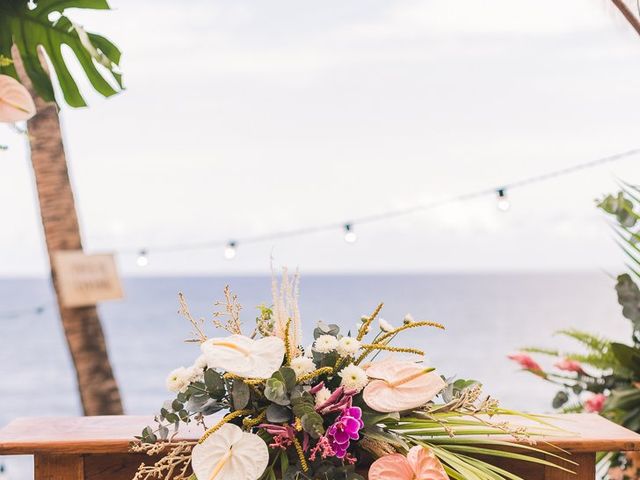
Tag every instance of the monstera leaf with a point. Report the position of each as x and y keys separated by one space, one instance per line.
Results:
x=46 y=27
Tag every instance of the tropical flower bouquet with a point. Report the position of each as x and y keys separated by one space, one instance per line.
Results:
x=272 y=409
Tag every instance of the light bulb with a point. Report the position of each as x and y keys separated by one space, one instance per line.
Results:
x=143 y=259
x=503 y=202
x=230 y=251
x=349 y=235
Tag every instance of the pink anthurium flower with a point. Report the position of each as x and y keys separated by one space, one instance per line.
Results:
x=16 y=103
x=400 y=385
x=419 y=464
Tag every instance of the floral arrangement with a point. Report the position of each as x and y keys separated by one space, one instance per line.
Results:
x=604 y=377
x=331 y=410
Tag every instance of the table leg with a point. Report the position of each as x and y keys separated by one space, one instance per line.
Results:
x=585 y=470
x=58 y=467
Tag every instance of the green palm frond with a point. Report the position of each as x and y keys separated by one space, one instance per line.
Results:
x=594 y=343
x=452 y=436
x=542 y=351
x=38 y=28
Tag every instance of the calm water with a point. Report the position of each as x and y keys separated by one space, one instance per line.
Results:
x=487 y=316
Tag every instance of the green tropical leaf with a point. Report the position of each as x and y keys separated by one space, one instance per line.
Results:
x=32 y=29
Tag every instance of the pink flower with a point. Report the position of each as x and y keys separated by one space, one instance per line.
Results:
x=346 y=428
x=595 y=403
x=525 y=361
x=569 y=365
x=419 y=464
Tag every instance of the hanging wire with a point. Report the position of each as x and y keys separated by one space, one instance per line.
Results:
x=388 y=214
x=24 y=312
x=347 y=227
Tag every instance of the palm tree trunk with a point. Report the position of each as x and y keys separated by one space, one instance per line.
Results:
x=97 y=385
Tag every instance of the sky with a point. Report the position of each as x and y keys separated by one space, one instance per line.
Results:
x=245 y=117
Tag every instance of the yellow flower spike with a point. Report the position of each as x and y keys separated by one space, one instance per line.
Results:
x=227 y=418
x=303 y=460
x=394 y=332
x=287 y=343
x=252 y=422
x=298 y=424
x=315 y=373
x=368 y=348
x=407 y=326
x=248 y=381
x=364 y=328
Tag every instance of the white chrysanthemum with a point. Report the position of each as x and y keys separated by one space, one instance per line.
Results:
x=201 y=362
x=322 y=396
x=302 y=366
x=195 y=374
x=353 y=378
x=348 y=346
x=408 y=318
x=384 y=325
x=178 y=380
x=325 y=344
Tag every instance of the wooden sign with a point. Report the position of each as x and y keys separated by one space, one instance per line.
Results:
x=86 y=279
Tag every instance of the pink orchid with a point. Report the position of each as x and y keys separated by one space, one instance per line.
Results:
x=419 y=464
x=595 y=403
x=569 y=365
x=525 y=362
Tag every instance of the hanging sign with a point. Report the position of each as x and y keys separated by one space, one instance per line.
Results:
x=85 y=280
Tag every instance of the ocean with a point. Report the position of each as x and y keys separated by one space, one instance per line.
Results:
x=487 y=316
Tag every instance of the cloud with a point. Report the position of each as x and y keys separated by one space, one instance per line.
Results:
x=492 y=17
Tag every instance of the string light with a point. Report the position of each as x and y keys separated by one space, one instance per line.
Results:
x=230 y=250
x=27 y=312
x=143 y=258
x=503 y=201
x=349 y=235
x=230 y=247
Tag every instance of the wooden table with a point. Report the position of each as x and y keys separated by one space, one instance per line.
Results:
x=97 y=448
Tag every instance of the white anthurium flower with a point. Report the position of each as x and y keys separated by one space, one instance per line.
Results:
x=230 y=454
x=244 y=356
x=16 y=103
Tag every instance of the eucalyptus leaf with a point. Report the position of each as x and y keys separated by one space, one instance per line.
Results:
x=312 y=424
x=278 y=414
x=276 y=391
x=214 y=383
x=240 y=394
x=289 y=377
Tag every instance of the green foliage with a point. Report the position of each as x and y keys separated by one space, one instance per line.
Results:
x=627 y=227
x=629 y=299
x=47 y=27
x=618 y=363
x=240 y=394
x=214 y=384
x=304 y=408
